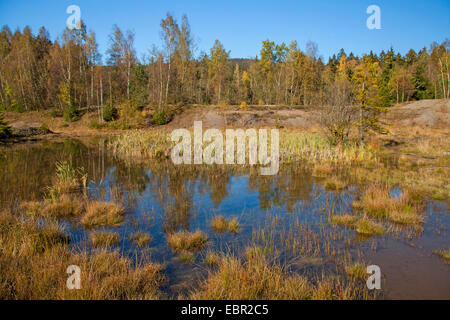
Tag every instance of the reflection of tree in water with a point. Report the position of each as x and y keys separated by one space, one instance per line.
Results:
x=27 y=169
x=293 y=183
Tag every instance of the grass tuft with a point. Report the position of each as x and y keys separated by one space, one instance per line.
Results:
x=187 y=241
x=99 y=214
x=104 y=239
x=140 y=239
x=220 y=225
x=368 y=227
x=344 y=220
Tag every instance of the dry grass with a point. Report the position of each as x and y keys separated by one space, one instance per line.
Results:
x=431 y=180
x=141 y=239
x=186 y=256
x=148 y=144
x=405 y=209
x=62 y=207
x=220 y=224
x=368 y=227
x=316 y=148
x=104 y=239
x=212 y=258
x=444 y=254
x=187 y=241
x=99 y=214
x=356 y=271
x=35 y=258
x=257 y=279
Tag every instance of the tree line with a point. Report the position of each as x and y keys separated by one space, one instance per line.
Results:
x=69 y=74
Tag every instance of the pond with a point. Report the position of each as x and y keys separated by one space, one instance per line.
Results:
x=288 y=214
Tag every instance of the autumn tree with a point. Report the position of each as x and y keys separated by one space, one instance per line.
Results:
x=218 y=68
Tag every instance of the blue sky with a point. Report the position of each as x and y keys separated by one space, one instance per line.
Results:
x=242 y=25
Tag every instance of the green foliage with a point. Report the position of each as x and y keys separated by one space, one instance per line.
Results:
x=160 y=117
x=138 y=88
x=71 y=113
x=4 y=128
x=110 y=113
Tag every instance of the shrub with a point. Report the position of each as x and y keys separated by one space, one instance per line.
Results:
x=160 y=117
x=110 y=113
x=71 y=113
x=5 y=130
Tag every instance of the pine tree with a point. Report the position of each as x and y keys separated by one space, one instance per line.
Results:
x=365 y=85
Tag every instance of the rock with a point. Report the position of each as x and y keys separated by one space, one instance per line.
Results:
x=22 y=129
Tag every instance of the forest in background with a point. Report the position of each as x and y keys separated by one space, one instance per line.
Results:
x=70 y=74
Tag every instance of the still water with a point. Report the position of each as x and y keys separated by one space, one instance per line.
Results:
x=288 y=213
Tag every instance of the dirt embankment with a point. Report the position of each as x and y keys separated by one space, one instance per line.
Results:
x=234 y=117
x=426 y=114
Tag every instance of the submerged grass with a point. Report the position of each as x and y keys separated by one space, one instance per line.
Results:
x=141 y=239
x=104 y=239
x=220 y=225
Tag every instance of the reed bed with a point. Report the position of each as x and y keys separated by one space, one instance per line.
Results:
x=256 y=278
x=294 y=146
x=35 y=257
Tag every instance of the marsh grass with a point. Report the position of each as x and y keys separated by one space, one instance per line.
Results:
x=313 y=147
x=99 y=214
x=35 y=257
x=335 y=184
x=294 y=146
x=431 y=180
x=255 y=278
x=64 y=206
x=212 y=258
x=444 y=254
x=187 y=241
x=149 y=144
x=346 y=220
x=141 y=239
x=186 y=256
x=220 y=225
x=403 y=209
x=356 y=271
x=104 y=239
x=368 y=227
x=69 y=179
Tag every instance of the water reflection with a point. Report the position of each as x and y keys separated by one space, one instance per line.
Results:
x=288 y=212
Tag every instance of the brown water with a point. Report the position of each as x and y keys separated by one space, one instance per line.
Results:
x=288 y=213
